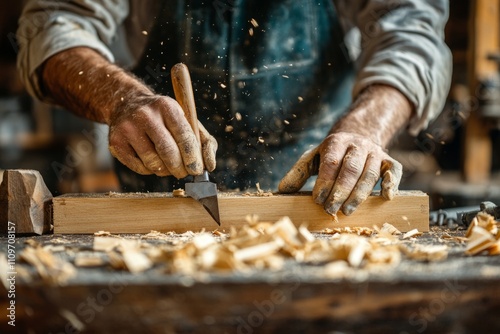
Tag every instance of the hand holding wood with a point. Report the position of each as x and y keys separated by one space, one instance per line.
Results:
x=349 y=167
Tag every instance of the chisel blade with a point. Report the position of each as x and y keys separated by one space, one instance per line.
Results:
x=205 y=192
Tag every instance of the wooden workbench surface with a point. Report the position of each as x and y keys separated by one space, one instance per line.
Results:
x=457 y=295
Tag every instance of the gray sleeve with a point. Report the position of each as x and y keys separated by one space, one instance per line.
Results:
x=47 y=27
x=401 y=44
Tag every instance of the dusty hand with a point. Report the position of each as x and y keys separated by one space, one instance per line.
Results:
x=148 y=133
x=348 y=167
x=151 y=135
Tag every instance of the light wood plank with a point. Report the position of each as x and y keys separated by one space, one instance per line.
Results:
x=141 y=213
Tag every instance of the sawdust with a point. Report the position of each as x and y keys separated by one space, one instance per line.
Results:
x=366 y=231
x=259 y=192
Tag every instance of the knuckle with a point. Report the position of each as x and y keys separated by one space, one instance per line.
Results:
x=353 y=166
x=165 y=149
x=330 y=158
x=329 y=165
x=372 y=174
x=187 y=143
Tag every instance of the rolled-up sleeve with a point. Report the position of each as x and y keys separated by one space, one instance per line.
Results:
x=401 y=43
x=47 y=27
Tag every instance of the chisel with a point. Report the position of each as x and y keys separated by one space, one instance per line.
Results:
x=201 y=189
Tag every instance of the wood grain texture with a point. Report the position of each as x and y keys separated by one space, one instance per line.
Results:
x=278 y=307
x=24 y=202
x=141 y=213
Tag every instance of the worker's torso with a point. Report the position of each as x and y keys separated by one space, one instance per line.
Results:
x=268 y=77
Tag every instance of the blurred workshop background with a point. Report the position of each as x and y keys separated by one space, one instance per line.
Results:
x=456 y=161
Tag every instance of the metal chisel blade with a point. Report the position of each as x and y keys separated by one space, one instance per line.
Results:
x=205 y=192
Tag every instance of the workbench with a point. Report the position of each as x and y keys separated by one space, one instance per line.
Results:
x=458 y=295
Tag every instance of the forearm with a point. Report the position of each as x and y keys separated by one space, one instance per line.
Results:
x=84 y=82
x=401 y=44
x=379 y=113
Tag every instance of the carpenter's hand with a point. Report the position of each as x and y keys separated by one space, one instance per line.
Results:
x=348 y=167
x=151 y=135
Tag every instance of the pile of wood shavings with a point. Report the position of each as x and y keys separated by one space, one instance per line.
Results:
x=483 y=235
x=256 y=245
x=259 y=245
x=48 y=266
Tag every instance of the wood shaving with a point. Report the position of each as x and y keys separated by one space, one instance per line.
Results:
x=479 y=240
x=102 y=233
x=425 y=252
x=179 y=193
x=366 y=231
x=116 y=260
x=485 y=221
x=389 y=228
x=135 y=260
x=483 y=235
x=337 y=269
x=412 y=233
x=105 y=244
x=261 y=245
x=54 y=248
x=494 y=249
x=157 y=235
x=32 y=243
x=89 y=260
x=50 y=268
x=446 y=236
x=254 y=246
x=218 y=233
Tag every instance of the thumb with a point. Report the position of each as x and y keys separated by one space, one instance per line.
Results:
x=208 y=148
x=297 y=176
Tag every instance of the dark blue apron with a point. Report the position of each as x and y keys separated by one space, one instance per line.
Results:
x=269 y=79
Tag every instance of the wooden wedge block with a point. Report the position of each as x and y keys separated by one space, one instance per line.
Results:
x=143 y=212
x=24 y=203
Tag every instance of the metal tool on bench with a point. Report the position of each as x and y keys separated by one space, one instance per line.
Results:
x=201 y=189
x=462 y=215
x=486 y=207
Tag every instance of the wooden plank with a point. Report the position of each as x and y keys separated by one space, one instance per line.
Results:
x=143 y=212
x=484 y=40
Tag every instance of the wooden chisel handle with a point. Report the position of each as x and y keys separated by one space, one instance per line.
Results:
x=183 y=90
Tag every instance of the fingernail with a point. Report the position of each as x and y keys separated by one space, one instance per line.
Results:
x=332 y=209
x=320 y=199
x=348 y=209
